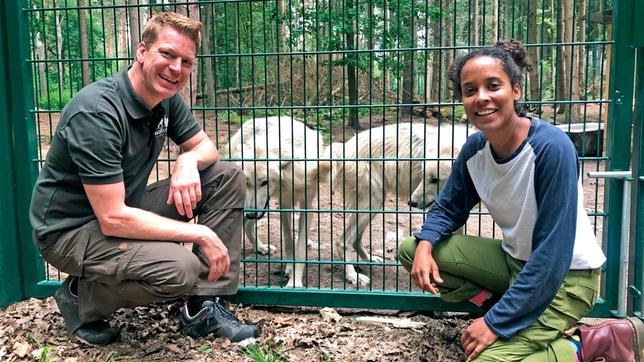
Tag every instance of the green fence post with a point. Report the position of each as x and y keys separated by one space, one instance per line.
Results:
x=19 y=258
x=637 y=215
x=11 y=284
x=619 y=127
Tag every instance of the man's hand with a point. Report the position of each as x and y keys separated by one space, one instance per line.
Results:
x=216 y=255
x=185 y=184
x=476 y=338
x=424 y=270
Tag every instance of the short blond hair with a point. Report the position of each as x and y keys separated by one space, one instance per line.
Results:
x=187 y=26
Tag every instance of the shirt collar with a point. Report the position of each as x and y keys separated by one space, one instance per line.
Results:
x=133 y=104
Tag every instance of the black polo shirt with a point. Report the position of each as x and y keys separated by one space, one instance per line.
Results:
x=105 y=135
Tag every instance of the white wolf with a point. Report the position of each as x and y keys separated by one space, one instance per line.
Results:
x=424 y=154
x=288 y=171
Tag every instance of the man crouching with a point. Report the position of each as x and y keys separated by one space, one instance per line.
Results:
x=119 y=240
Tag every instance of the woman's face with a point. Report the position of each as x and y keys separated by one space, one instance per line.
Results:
x=488 y=95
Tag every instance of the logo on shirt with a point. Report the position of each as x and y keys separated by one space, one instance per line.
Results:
x=162 y=128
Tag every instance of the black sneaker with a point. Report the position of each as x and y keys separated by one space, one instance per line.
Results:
x=96 y=332
x=215 y=318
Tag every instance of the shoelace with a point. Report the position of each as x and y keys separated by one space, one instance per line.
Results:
x=218 y=309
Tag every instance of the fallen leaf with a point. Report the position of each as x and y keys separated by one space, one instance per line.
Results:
x=174 y=348
x=21 y=349
x=330 y=314
x=394 y=322
x=285 y=321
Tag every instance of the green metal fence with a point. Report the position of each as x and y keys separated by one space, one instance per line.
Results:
x=340 y=66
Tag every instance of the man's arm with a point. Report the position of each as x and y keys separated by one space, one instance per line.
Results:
x=198 y=152
x=202 y=147
x=119 y=220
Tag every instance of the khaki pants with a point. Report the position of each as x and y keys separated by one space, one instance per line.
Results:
x=116 y=272
x=469 y=264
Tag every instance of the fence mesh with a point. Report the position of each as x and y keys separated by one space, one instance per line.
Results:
x=338 y=67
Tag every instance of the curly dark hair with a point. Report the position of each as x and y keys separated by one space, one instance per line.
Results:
x=512 y=55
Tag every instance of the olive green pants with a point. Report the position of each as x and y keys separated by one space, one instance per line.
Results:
x=469 y=264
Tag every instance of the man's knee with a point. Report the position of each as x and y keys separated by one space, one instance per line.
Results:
x=177 y=274
x=229 y=176
x=180 y=275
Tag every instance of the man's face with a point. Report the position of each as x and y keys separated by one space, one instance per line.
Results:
x=166 y=64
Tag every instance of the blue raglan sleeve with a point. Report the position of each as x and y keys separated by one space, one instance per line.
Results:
x=455 y=200
x=556 y=175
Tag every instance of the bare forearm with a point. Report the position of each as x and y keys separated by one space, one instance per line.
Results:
x=204 y=153
x=134 y=223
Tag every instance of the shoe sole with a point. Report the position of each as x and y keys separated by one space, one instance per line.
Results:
x=638 y=337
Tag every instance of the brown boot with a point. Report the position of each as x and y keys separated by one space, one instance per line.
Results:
x=618 y=340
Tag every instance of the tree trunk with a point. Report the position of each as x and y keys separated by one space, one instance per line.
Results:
x=41 y=56
x=59 y=45
x=82 y=24
x=581 y=54
x=561 y=79
x=351 y=64
x=505 y=12
x=409 y=70
x=495 y=21
x=533 y=52
x=208 y=61
x=189 y=91
x=437 y=74
x=573 y=82
x=386 y=70
x=281 y=9
x=237 y=76
x=475 y=23
x=427 y=89
x=135 y=26
x=109 y=33
x=122 y=35
x=448 y=57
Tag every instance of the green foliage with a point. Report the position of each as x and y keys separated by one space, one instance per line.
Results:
x=54 y=100
x=547 y=88
x=44 y=350
x=257 y=43
x=205 y=349
x=230 y=117
x=324 y=131
x=264 y=353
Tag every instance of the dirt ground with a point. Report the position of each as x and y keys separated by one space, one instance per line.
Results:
x=33 y=330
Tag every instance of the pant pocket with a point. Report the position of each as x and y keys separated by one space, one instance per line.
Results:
x=67 y=254
x=582 y=299
x=574 y=299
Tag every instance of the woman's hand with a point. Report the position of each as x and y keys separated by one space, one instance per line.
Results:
x=476 y=338
x=424 y=270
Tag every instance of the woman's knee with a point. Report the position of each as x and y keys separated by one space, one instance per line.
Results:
x=406 y=252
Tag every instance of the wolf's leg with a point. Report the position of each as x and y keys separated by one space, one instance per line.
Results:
x=304 y=223
x=342 y=252
x=286 y=226
x=250 y=229
x=375 y=201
